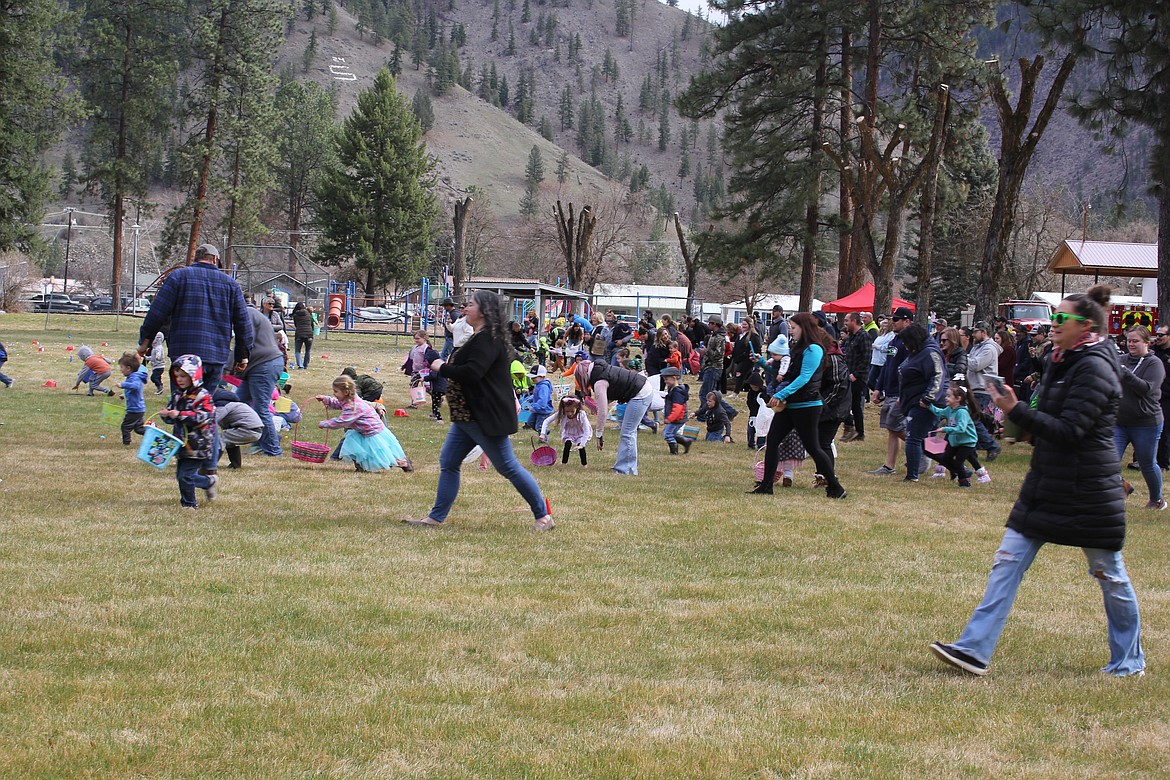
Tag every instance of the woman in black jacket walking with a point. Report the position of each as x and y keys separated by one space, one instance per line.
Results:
x=1072 y=494
x=302 y=332
x=483 y=412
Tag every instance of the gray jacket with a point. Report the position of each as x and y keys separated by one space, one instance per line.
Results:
x=264 y=346
x=982 y=362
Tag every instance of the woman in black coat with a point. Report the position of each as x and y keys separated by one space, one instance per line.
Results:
x=483 y=412
x=656 y=352
x=302 y=333
x=745 y=352
x=1072 y=494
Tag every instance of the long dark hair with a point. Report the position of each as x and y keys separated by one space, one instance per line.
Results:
x=811 y=331
x=491 y=308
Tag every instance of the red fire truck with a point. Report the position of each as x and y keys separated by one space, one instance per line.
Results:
x=1025 y=314
x=1122 y=317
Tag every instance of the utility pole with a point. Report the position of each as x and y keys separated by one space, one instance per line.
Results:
x=68 y=240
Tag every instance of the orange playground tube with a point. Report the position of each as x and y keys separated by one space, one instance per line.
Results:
x=335 y=307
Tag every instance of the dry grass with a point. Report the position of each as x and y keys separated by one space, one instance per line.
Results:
x=670 y=627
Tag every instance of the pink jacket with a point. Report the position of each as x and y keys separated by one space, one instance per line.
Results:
x=357 y=415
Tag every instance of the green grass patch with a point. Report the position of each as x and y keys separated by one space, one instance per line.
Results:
x=671 y=627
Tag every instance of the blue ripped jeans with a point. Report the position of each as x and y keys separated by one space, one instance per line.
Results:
x=1015 y=554
x=1145 y=450
x=461 y=440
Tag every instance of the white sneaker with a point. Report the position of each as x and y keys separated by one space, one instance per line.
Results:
x=939 y=471
x=983 y=476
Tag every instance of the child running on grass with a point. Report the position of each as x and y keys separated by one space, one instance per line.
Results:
x=96 y=371
x=132 y=390
x=193 y=413
x=959 y=429
x=158 y=362
x=575 y=428
x=675 y=410
x=371 y=446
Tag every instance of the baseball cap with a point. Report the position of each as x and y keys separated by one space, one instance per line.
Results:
x=902 y=313
x=448 y=302
x=670 y=371
x=207 y=249
x=983 y=326
x=540 y=371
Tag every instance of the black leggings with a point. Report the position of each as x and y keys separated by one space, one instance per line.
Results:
x=805 y=421
x=437 y=405
x=568 y=449
x=826 y=431
x=954 y=458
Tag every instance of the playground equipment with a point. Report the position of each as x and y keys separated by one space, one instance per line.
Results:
x=339 y=305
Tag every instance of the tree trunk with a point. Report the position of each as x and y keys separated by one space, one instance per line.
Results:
x=929 y=201
x=119 y=176
x=208 y=140
x=845 y=259
x=1017 y=145
x=812 y=219
x=690 y=264
x=458 y=271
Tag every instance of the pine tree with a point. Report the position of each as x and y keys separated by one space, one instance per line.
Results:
x=29 y=118
x=503 y=91
x=424 y=112
x=563 y=167
x=526 y=13
x=68 y=175
x=333 y=20
x=395 y=64
x=565 y=110
x=306 y=148
x=127 y=70
x=546 y=129
x=310 y=50
x=511 y=50
x=663 y=131
x=534 y=170
x=530 y=203
x=376 y=206
x=621 y=26
x=684 y=165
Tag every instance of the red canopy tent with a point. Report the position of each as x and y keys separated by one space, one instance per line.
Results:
x=860 y=300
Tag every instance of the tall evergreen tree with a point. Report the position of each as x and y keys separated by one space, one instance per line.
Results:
x=376 y=206
x=423 y=111
x=127 y=68
x=31 y=90
x=534 y=170
x=305 y=150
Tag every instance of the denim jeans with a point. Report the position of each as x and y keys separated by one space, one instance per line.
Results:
x=919 y=421
x=670 y=431
x=307 y=343
x=461 y=439
x=256 y=391
x=627 y=452
x=189 y=479
x=212 y=374
x=1015 y=554
x=1145 y=448
x=4 y=379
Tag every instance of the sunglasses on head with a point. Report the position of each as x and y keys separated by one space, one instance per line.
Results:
x=1060 y=317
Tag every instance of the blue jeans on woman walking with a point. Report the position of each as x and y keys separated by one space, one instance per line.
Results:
x=919 y=421
x=461 y=439
x=627 y=453
x=1015 y=554
x=1145 y=449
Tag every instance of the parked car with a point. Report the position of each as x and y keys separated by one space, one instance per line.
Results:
x=57 y=302
x=380 y=314
x=139 y=306
x=104 y=303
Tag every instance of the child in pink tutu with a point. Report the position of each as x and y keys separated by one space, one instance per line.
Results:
x=369 y=444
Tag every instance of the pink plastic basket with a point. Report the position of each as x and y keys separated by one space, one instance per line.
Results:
x=759 y=470
x=543 y=455
x=935 y=445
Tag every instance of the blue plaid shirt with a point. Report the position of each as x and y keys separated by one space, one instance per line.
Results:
x=204 y=306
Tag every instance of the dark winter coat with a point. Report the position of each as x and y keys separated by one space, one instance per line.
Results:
x=302 y=323
x=835 y=391
x=676 y=403
x=1072 y=493
x=922 y=376
x=482 y=371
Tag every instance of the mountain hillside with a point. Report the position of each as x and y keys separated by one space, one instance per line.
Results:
x=481 y=144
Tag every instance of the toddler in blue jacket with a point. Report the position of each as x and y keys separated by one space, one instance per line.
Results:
x=132 y=385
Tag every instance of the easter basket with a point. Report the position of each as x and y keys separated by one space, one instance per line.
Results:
x=309 y=452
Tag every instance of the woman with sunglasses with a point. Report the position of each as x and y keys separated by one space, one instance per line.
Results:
x=1072 y=494
x=952 y=349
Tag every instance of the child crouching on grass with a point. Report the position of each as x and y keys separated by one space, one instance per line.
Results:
x=96 y=371
x=575 y=428
x=718 y=423
x=371 y=446
x=193 y=413
x=133 y=391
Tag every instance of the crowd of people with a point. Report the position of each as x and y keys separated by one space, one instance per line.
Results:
x=1067 y=389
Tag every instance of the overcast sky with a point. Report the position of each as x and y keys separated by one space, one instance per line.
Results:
x=694 y=6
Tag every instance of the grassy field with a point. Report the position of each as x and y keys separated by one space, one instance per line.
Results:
x=671 y=627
